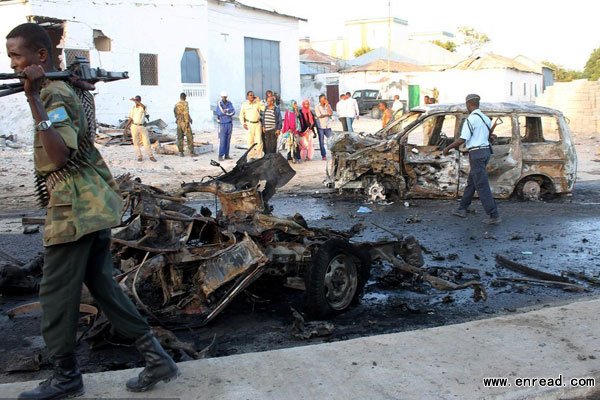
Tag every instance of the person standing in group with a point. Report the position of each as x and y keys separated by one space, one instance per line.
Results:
x=271 y=125
x=83 y=203
x=352 y=111
x=184 y=127
x=139 y=133
x=225 y=113
x=307 y=132
x=340 y=108
x=324 y=114
x=477 y=131
x=396 y=105
x=427 y=100
x=386 y=114
x=290 y=131
x=250 y=120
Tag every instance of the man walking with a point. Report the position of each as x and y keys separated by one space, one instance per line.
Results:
x=386 y=114
x=341 y=110
x=324 y=114
x=271 y=122
x=250 y=120
x=184 y=121
x=476 y=133
x=83 y=204
x=352 y=111
x=139 y=133
x=225 y=113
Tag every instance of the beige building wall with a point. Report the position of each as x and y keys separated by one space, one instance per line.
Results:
x=579 y=101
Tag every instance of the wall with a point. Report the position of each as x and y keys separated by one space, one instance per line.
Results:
x=372 y=33
x=15 y=118
x=579 y=101
x=396 y=84
x=227 y=27
x=493 y=85
x=312 y=86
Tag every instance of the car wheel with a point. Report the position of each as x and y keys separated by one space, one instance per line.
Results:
x=336 y=279
x=535 y=188
x=376 y=112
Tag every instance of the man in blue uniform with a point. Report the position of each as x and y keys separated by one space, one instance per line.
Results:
x=475 y=134
x=225 y=113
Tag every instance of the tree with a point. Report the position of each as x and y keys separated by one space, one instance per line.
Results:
x=363 y=50
x=473 y=39
x=448 y=45
x=592 y=67
x=562 y=74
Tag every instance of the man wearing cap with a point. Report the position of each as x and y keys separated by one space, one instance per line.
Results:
x=225 y=112
x=184 y=121
x=476 y=132
x=139 y=133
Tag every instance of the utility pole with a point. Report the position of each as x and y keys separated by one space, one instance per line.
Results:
x=389 y=46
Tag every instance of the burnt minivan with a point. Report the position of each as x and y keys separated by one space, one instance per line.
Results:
x=533 y=155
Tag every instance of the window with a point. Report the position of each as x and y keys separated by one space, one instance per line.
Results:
x=433 y=131
x=511 y=88
x=191 y=66
x=535 y=88
x=536 y=129
x=149 y=69
x=71 y=54
x=503 y=129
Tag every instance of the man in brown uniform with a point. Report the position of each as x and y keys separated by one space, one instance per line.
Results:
x=182 y=116
x=139 y=133
x=83 y=204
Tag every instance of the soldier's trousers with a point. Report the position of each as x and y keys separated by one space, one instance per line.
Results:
x=66 y=268
x=185 y=129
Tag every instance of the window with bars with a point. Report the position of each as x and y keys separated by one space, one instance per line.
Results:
x=149 y=69
x=70 y=55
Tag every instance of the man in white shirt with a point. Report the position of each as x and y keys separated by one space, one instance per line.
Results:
x=476 y=133
x=341 y=110
x=353 y=111
x=397 y=105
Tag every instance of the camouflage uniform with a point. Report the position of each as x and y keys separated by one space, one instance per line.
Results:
x=182 y=116
x=84 y=204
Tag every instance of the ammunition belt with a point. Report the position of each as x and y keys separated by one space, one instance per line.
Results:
x=43 y=185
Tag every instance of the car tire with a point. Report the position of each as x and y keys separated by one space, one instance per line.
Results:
x=534 y=188
x=375 y=112
x=336 y=279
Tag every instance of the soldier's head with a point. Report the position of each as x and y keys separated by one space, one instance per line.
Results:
x=182 y=96
x=224 y=95
x=472 y=101
x=250 y=95
x=137 y=100
x=29 y=44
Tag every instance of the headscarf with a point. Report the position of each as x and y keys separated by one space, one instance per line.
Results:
x=307 y=113
x=291 y=105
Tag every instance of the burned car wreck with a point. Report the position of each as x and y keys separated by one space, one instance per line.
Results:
x=533 y=155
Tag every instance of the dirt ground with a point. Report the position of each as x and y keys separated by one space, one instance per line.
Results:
x=556 y=236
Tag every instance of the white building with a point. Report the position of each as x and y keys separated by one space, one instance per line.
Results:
x=494 y=77
x=199 y=47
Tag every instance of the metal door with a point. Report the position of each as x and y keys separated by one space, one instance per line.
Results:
x=262 y=65
x=333 y=94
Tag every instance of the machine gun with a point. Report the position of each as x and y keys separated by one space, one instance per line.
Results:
x=80 y=69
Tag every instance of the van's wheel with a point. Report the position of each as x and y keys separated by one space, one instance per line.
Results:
x=534 y=188
x=336 y=279
x=375 y=112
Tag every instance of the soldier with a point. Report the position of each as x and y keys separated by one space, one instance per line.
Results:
x=225 y=113
x=139 y=133
x=83 y=204
x=182 y=116
x=250 y=120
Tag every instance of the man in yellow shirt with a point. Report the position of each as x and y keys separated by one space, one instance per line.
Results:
x=139 y=133
x=250 y=120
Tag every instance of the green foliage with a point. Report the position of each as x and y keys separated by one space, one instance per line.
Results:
x=564 y=75
x=592 y=67
x=448 y=45
x=362 y=50
x=472 y=38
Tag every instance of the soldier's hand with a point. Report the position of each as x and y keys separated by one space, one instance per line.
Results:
x=246 y=126
x=34 y=77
